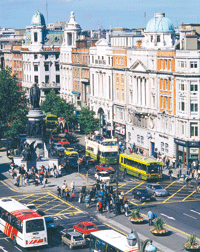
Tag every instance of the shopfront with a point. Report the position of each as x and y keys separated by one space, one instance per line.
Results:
x=120 y=131
x=187 y=151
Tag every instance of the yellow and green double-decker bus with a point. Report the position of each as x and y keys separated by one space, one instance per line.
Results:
x=139 y=166
x=102 y=150
x=51 y=122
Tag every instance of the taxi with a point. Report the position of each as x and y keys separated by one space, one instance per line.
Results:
x=71 y=152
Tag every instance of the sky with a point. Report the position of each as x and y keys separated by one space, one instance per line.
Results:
x=91 y=14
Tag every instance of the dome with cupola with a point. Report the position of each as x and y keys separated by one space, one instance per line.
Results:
x=159 y=24
x=38 y=19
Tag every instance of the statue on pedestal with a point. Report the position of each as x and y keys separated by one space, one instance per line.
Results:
x=35 y=96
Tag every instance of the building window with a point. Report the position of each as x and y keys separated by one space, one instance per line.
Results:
x=194 y=87
x=46 y=67
x=57 y=56
x=35 y=68
x=117 y=78
x=117 y=93
x=194 y=107
x=46 y=56
x=108 y=60
x=122 y=94
x=122 y=79
x=193 y=129
x=182 y=106
x=158 y=38
x=46 y=78
x=193 y=64
x=57 y=67
x=35 y=56
x=162 y=146
x=151 y=38
x=142 y=139
x=138 y=138
x=92 y=59
x=166 y=147
x=57 y=78
x=35 y=37
x=182 y=86
x=36 y=79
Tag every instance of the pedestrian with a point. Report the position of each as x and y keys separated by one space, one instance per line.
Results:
x=58 y=191
x=126 y=208
x=167 y=163
x=99 y=206
x=72 y=186
x=80 y=197
x=63 y=190
x=67 y=196
x=170 y=173
x=87 y=200
x=150 y=216
x=18 y=180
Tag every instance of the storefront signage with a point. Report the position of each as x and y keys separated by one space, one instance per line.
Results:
x=187 y=143
x=120 y=128
x=194 y=150
x=163 y=136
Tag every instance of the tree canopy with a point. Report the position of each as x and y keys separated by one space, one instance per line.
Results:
x=87 y=120
x=13 y=104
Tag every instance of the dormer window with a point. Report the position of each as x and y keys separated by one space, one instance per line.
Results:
x=56 y=39
x=46 y=39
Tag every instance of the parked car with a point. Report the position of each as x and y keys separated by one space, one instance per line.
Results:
x=57 y=149
x=86 y=159
x=32 y=207
x=142 y=195
x=85 y=228
x=156 y=190
x=50 y=224
x=78 y=147
x=64 y=142
x=104 y=167
x=102 y=177
x=72 y=162
x=71 y=152
x=73 y=239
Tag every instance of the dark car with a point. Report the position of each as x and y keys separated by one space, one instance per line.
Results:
x=142 y=195
x=78 y=147
x=71 y=138
x=50 y=224
x=72 y=162
x=86 y=160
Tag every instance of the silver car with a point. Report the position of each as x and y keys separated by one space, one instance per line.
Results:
x=156 y=190
x=73 y=239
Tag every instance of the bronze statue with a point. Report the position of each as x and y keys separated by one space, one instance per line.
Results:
x=35 y=96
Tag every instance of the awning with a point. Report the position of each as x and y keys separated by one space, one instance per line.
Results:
x=76 y=93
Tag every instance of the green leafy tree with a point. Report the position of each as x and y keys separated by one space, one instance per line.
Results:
x=57 y=106
x=13 y=104
x=87 y=120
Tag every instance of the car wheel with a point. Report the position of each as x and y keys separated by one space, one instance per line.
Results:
x=139 y=177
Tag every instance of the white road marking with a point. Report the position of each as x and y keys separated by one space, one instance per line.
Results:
x=3 y=249
x=195 y=212
x=18 y=248
x=189 y=216
x=169 y=217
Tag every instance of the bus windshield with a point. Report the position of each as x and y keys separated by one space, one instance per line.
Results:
x=52 y=118
x=110 y=154
x=154 y=169
x=34 y=225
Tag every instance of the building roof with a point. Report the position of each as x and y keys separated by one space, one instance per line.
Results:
x=159 y=24
x=38 y=19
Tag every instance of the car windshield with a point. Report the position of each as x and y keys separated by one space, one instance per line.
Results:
x=58 y=145
x=91 y=227
x=34 y=225
x=78 y=237
x=105 y=165
x=157 y=187
x=104 y=174
x=143 y=191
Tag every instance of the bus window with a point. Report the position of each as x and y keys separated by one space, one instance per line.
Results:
x=34 y=225
x=100 y=245
x=121 y=160
x=111 y=249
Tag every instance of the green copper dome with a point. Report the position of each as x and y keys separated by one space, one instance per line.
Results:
x=159 y=24
x=38 y=19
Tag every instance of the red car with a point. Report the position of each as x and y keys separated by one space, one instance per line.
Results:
x=64 y=142
x=104 y=167
x=86 y=159
x=85 y=228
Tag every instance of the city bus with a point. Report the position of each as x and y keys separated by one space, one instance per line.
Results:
x=110 y=241
x=24 y=226
x=51 y=123
x=102 y=149
x=139 y=166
